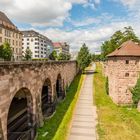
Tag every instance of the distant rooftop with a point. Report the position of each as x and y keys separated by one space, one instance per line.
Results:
x=128 y=48
x=60 y=44
x=57 y=44
x=32 y=33
x=6 y=22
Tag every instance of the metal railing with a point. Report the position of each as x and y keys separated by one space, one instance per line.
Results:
x=50 y=108
x=26 y=135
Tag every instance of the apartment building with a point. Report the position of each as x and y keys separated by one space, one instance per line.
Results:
x=40 y=45
x=10 y=33
x=61 y=47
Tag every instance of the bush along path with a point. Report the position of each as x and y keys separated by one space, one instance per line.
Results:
x=83 y=126
x=114 y=122
x=52 y=125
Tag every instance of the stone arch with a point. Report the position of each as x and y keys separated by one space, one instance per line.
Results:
x=20 y=118
x=47 y=99
x=60 y=87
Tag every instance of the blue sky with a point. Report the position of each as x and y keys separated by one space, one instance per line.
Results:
x=74 y=21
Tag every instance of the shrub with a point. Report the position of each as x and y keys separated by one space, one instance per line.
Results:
x=136 y=93
x=107 y=86
x=40 y=59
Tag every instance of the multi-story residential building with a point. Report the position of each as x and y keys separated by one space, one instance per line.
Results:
x=39 y=44
x=10 y=33
x=61 y=47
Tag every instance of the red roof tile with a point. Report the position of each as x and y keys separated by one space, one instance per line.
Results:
x=128 y=48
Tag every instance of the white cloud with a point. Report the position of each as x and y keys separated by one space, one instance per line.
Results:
x=41 y=12
x=37 y=12
x=85 y=22
x=93 y=37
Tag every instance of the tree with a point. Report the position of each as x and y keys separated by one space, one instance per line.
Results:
x=6 y=51
x=1 y=51
x=28 y=54
x=53 y=55
x=136 y=93
x=84 y=57
x=117 y=39
x=63 y=56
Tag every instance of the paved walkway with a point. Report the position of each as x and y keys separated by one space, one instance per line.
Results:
x=83 y=125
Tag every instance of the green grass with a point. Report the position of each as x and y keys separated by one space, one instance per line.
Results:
x=114 y=122
x=58 y=125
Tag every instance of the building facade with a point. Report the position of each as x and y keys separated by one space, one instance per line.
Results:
x=122 y=69
x=39 y=44
x=10 y=33
x=60 y=47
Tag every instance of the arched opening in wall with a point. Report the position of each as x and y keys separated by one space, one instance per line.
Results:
x=21 y=122
x=48 y=106
x=59 y=88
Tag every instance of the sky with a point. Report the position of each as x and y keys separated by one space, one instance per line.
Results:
x=74 y=21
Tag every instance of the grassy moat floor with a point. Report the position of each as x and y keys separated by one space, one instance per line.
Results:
x=115 y=122
x=57 y=126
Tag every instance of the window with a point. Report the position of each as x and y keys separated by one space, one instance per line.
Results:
x=127 y=62
x=0 y=30
x=36 y=55
x=27 y=43
x=36 y=43
x=27 y=39
x=0 y=39
x=126 y=74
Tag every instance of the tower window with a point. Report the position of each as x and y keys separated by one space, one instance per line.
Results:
x=127 y=62
x=126 y=74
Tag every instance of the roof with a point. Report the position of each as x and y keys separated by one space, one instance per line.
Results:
x=32 y=33
x=57 y=45
x=60 y=44
x=128 y=48
x=6 y=22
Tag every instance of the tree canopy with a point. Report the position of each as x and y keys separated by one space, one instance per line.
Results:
x=117 y=39
x=63 y=56
x=136 y=93
x=53 y=55
x=84 y=57
x=27 y=54
x=6 y=51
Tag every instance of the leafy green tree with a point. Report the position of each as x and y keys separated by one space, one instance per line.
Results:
x=84 y=57
x=1 y=51
x=27 y=54
x=117 y=39
x=63 y=56
x=136 y=93
x=6 y=51
x=53 y=55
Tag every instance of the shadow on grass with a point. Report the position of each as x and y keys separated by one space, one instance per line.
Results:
x=51 y=125
x=89 y=72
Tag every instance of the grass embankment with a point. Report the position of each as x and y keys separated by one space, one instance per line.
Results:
x=58 y=125
x=115 y=122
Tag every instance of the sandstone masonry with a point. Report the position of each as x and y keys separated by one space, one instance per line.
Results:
x=30 y=75
x=122 y=69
